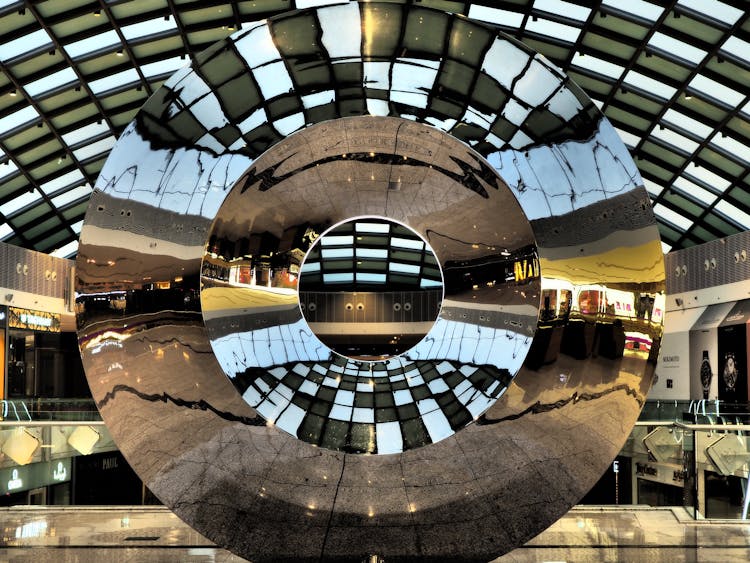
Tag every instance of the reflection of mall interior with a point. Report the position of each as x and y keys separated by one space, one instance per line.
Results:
x=671 y=77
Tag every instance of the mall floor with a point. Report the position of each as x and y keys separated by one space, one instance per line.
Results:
x=155 y=535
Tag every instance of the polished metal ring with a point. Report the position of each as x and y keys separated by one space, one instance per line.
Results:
x=212 y=378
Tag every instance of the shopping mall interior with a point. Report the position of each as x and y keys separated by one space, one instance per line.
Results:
x=375 y=281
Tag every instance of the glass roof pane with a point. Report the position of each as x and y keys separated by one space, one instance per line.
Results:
x=149 y=27
x=301 y=4
x=5 y=231
x=713 y=180
x=167 y=66
x=665 y=247
x=597 y=65
x=737 y=47
x=553 y=29
x=562 y=8
x=715 y=90
x=734 y=147
x=114 y=81
x=8 y=168
x=17 y=119
x=652 y=187
x=66 y=179
x=682 y=121
x=20 y=202
x=24 y=44
x=91 y=44
x=649 y=85
x=684 y=185
x=672 y=217
x=675 y=139
x=95 y=148
x=66 y=251
x=714 y=9
x=59 y=78
x=86 y=132
x=733 y=213
x=72 y=195
x=677 y=48
x=495 y=15
x=638 y=7
x=628 y=138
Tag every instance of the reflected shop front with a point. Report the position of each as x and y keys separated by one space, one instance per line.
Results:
x=369 y=280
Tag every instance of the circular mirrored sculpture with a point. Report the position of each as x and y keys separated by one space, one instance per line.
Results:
x=194 y=327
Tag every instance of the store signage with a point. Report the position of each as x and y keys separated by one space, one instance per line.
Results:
x=40 y=321
x=616 y=466
x=644 y=469
x=34 y=475
x=15 y=483
x=60 y=473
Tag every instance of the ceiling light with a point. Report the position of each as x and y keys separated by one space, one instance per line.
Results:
x=13 y=92
x=97 y=13
x=119 y=53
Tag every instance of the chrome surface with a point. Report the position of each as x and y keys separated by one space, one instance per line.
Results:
x=577 y=319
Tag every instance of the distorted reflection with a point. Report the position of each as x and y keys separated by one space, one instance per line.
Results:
x=370 y=288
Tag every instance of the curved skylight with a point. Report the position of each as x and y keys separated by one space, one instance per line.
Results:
x=673 y=83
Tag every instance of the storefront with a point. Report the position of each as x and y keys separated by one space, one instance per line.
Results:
x=46 y=482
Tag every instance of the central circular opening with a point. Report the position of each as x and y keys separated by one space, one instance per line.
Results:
x=370 y=288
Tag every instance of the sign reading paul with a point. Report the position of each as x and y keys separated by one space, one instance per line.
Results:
x=40 y=321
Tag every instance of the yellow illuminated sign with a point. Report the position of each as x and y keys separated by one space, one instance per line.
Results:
x=40 y=321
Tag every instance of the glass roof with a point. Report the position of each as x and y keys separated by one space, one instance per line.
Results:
x=672 y=77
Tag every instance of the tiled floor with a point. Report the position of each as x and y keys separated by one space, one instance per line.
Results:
x=153 y=534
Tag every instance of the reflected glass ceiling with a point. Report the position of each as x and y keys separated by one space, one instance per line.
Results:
x=673 y=78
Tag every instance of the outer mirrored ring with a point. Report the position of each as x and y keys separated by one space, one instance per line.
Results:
x=149 y=359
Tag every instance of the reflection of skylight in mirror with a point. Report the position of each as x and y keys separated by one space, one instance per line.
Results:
x=86 y=132
x=553 y=29
x=714 y=9
x=55 y=80
x=430 y=283
x=91 y=44
x=714 y=180
x=368 y=277
x=565 y=9
x=336 y=240
x=717 y=91
x=674 y=139
x=665 y=247
x=66 y=251
x=318 y=99
x=17 y=118
x=738 y=216
x=677 y=48
x=686 y=186
x=71 y=195
x=649 y=85
x=76 y=227
x=737 y=47
x=342 y=30
x=20 y=202
x=150 y=27
x=273 y=79
x=25 y=44
x=735 y=148
x=372 y=253
x=672 y=217
x=495 y=15
x=63 y=181
x=337 y=253
x=301 y=4
x=342 y=277
x=407 y=243
x=403 y=268
x=363 y=227
x=639 y=8
x=682 y=121
x=114 y=81
x=597 y=65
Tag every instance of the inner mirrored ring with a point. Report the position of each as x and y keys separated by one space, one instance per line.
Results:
x=437 y=192
x=370 y=288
